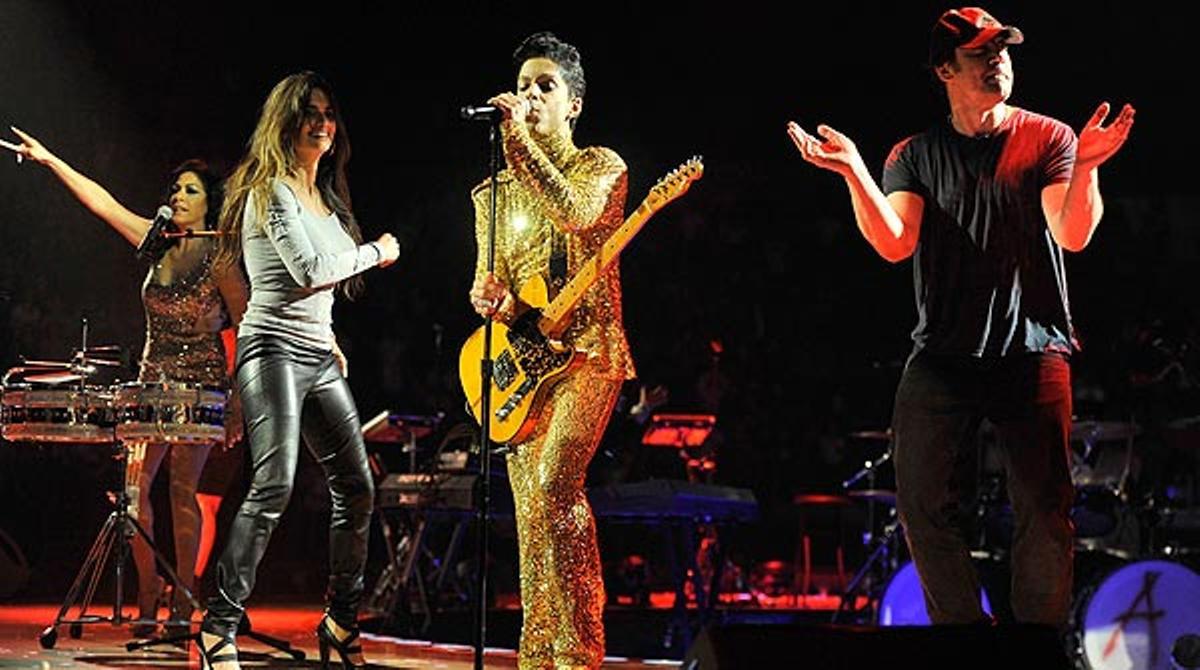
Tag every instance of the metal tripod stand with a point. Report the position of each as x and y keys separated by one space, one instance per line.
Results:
x=883 y=560
x=111 y=544
x=244 y=629
x=879 y=567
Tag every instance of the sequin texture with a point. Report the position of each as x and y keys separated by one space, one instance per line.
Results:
x=184 y=317
x=553 y=189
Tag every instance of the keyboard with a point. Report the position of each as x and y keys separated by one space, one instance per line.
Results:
x=674 y=499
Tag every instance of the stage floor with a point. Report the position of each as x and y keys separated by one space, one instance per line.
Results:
x=102 y=645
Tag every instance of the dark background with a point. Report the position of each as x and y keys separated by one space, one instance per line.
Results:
x=761 y=256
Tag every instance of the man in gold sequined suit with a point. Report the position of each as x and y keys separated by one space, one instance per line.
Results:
x=556 y=205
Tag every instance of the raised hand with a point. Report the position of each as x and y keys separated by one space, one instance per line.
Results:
x=31 y=149
x=1098 y=143
x=834 y=152
x=488 y=294
x=389 y=248
x=515 y=107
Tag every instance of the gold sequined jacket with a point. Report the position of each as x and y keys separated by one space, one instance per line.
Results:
x=552 y=188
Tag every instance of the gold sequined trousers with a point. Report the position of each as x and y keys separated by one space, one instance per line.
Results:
x=562 y=590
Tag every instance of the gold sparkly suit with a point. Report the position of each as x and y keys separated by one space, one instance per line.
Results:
x=553 y=190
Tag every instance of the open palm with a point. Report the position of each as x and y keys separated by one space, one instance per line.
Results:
x=1097 y=143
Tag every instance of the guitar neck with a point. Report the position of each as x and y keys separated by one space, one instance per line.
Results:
x=556 y=313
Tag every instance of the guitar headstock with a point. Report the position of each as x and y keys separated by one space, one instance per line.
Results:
x=675 y=184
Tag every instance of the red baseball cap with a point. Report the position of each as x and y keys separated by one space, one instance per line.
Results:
x=969 y=28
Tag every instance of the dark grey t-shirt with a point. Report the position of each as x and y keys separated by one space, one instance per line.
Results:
x=989 y=278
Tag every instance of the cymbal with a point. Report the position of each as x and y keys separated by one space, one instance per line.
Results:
x=387 y=427
x=885 y=496
x=885 y=434
x=1103 y=430
x=819 y=499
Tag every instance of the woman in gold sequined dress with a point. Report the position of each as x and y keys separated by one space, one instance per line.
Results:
x=188 y=301
x=556 y=205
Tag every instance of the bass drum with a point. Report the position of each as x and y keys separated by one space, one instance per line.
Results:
x=1132 y=617
x=903 y=602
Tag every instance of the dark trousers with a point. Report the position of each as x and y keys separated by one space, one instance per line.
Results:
x=940 y=404
x=289 y=391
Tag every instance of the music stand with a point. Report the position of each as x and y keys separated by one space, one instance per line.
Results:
x=683 y=432
x=678 y=430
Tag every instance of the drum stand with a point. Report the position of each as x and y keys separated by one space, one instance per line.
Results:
x=882 y=561
x=244 y=628
x=884 y=556
x=112 y=543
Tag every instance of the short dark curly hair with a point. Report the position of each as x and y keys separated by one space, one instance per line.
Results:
x=546 y=44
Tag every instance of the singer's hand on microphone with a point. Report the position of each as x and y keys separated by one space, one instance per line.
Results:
x=389 y=248
x=31 y=149
x=515 y=107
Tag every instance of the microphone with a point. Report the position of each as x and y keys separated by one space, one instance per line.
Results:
x=481 y=113
x=155 y=243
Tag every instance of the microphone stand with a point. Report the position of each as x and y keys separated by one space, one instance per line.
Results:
x=483 y=513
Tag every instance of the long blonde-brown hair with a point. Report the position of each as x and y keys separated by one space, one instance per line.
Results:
x=270 y=155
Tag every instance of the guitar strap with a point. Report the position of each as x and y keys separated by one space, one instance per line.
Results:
x=558 y=260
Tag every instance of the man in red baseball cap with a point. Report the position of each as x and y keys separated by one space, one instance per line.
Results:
x=984 y=202
x=967 y=28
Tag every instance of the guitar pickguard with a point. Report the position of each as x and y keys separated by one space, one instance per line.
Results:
x=530 y=352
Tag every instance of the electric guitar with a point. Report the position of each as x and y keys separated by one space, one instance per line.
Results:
x=527 y=357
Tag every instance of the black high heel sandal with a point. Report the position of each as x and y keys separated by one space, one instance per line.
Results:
x=211 y=656
x=348 y=648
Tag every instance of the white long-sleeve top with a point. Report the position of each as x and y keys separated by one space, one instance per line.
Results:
x=294 y=261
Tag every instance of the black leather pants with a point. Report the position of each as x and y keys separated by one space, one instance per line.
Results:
x=290 y=391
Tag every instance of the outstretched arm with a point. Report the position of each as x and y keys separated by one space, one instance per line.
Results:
x=1073 y=209
x=93 y=196
x=891 y=224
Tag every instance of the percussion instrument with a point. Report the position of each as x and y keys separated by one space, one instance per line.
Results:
x=45 y=413
x=903 y=601
x=175 y=412
x=1134 y=616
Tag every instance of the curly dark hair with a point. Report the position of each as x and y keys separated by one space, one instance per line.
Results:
x=213 y=191
x=546 y=44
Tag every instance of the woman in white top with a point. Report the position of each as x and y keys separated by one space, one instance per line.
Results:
x=287 y=216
